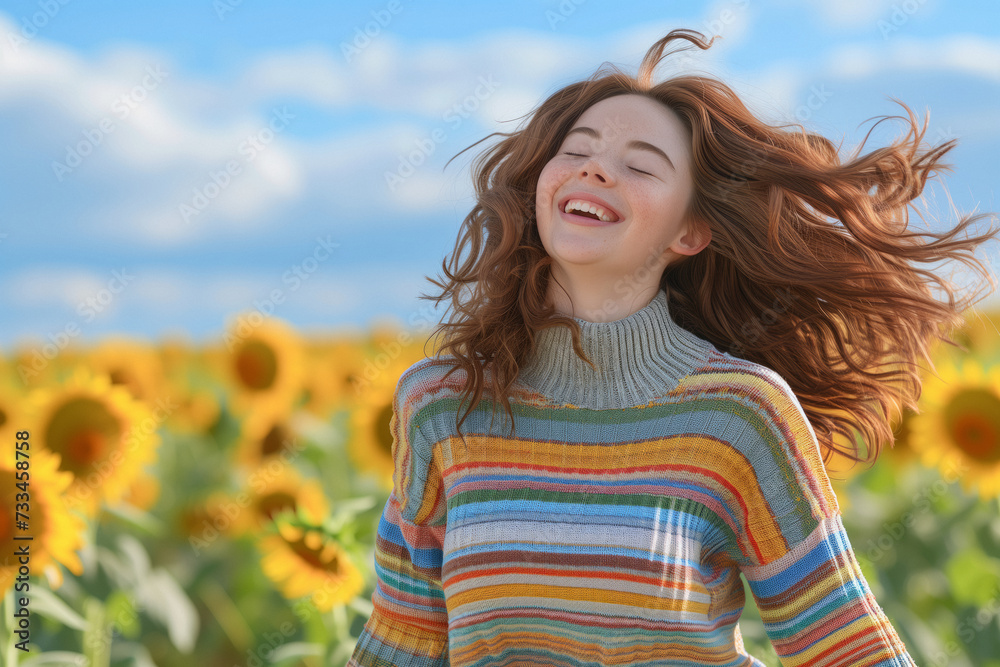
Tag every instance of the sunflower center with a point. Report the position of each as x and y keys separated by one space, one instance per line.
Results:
x=383 y=432
x=276 y=441
x=83 y=432
x=275 y=502
x=85 y=447
x=256 y=365
x=973 y=421
x=7 y=521
x=312 y=556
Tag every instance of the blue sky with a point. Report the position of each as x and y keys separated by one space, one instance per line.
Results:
x=166 y=166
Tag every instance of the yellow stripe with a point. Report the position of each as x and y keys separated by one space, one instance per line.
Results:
x=810 y=656
x=571 y=594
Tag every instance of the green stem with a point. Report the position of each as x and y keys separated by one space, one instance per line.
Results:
x=97 y=637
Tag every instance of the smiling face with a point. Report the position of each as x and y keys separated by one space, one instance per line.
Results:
x=615 y=197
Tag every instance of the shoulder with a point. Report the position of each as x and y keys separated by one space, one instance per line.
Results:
x=786 y=481
x=755 y=407
x=427 y=391
x=429 y=379
x=745 y=382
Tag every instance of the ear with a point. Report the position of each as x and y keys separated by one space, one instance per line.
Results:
x=695 y=238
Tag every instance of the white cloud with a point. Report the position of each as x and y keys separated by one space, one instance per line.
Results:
x=164 y=152
x=172 y=133
x=48 y=286
x=311 y=73
x=852 y=13
x=963 y=54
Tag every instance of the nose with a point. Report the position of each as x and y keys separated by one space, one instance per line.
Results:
x=592 y=169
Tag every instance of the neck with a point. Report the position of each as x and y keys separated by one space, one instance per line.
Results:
x=596 y=298
x=638 y=358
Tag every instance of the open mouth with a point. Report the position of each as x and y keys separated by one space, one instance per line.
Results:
x=590 y=210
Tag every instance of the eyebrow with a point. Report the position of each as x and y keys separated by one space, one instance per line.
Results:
x=635 y=143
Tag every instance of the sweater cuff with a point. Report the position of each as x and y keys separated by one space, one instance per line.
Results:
x=392 y=644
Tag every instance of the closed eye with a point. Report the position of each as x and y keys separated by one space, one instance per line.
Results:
x=632 y=168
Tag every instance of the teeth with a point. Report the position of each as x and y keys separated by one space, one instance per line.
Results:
x=587 y=207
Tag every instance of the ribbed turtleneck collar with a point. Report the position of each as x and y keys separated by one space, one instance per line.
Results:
x=638 y=358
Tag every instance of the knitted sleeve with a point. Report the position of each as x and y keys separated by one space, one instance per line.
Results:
x=409 y=624
x=815 y=604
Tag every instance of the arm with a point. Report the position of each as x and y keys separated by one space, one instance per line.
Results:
x=814 y=601
x=817 y=608
x=409 y=624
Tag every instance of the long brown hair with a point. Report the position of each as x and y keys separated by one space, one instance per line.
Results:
x=811 y=270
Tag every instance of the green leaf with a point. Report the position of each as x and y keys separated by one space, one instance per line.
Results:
x=135 y=555
x=114 y=567
x=123 y=614
x=167 y=602
x=136 y=518
x=47 y=603
x=139 y=653
x=293 y=650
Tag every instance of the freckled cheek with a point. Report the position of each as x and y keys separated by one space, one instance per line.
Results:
x=545 y=189
x=663 y=207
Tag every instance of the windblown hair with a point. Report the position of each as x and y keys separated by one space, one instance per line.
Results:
x=812 y=270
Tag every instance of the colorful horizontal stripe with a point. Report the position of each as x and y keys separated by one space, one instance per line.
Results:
x=615 y=536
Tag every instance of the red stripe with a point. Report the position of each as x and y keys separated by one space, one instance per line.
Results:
x=582 y=574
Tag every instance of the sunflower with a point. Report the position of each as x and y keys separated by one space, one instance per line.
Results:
x=265 y=435
x=981 y=331
x=274 y=488
x=901 y=453
x=56 y=533
x=132 y=364
x=8 y=370
x=320 y=388
x=958 y=427
x=102 y=435
x=338 y=370
x=264 y=364
x=304 y=560
x=371 y=438
x=143 y=492
x=204 y=521
x=178 y=356
x=35 y=365
x=11 y=412
x=196 y=410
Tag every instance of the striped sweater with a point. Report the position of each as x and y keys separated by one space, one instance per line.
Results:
x=612 y=526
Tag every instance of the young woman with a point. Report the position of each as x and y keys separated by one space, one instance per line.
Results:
x=679 y=307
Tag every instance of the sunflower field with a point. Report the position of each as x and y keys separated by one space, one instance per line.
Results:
x=217 y=504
